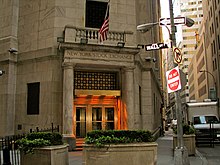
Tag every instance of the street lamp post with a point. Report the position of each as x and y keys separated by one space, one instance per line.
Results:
x=180 y=153
x=205 y=71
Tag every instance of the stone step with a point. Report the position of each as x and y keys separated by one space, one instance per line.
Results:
x=79 y=143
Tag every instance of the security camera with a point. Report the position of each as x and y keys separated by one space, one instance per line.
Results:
x=12 y=50
x=2 y=72
x=150 y=59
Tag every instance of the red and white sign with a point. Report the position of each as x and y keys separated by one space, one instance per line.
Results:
x=173 y=80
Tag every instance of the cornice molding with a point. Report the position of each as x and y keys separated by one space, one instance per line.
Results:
x=99 y=48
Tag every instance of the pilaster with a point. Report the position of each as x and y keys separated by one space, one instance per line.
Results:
x=129 y=95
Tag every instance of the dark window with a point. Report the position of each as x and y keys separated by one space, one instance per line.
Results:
x=197 y=120
x=19 y=127
x=95 y=13
x=33 y=96
x=218 y=41
x=155 y=103
x=140 y=109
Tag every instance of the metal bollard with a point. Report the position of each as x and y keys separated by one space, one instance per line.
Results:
x=6 y=156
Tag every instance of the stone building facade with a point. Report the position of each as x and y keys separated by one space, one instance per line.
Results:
x=204 y=68
x=58 y=72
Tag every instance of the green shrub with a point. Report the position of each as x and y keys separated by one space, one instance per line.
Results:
x=101 y=138
x=38 y=139
x=54 y=137
x=187 y=129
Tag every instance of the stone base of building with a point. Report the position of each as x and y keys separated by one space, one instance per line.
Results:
x=70 y=140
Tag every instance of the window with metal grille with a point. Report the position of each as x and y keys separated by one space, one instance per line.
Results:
x=96 y=80
x=95 y=13
x=33 y=98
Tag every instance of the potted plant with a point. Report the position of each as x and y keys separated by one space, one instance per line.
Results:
x=188 y=138
x=119 y=147
x=45 y=148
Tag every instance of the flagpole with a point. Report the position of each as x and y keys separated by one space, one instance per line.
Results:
x=106 y=12
x=105 y=26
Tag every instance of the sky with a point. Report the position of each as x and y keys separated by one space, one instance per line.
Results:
x=165 y=14
x=165 y=8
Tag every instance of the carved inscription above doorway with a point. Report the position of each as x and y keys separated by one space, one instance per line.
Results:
x=69 y=54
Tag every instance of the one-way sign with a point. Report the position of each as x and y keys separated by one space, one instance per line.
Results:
x=156 y=46
x=177 y=21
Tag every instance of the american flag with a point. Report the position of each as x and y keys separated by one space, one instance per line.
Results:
x=103 y=31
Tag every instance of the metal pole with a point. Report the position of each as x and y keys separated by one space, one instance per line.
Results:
x=180 y=153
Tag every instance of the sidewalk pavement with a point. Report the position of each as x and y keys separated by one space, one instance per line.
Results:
x=204 y=155
x=75 y=158
x=212 y=155
x=166 y=155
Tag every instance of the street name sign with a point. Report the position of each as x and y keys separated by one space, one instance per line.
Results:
x=156 y=46
x=173 y=80
x=177 y=21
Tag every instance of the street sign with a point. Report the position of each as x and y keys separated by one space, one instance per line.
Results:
x=177 y=21
x=173 y=80
x=156 y=46
x=177 y=55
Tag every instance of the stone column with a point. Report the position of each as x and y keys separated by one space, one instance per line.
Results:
x=129 y=96
x=68 y=78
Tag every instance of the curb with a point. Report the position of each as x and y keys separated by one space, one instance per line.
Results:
x=204 y=160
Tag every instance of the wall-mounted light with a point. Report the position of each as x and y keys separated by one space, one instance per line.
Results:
x=83 y=41
x=140 y=46
x=60 y=39
x=2 y=72
x=12 y=50
x=121 y=44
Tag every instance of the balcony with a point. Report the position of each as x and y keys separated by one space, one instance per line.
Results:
x=74 y=34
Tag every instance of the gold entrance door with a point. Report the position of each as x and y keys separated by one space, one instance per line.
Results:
x=90 y=118
x=103 y=118
x=80 y=118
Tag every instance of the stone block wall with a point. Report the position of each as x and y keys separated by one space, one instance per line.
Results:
x=47 y=70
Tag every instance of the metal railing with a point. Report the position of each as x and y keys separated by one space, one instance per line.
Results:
x=9 y=152
x=208 y=136
x=50 y=129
